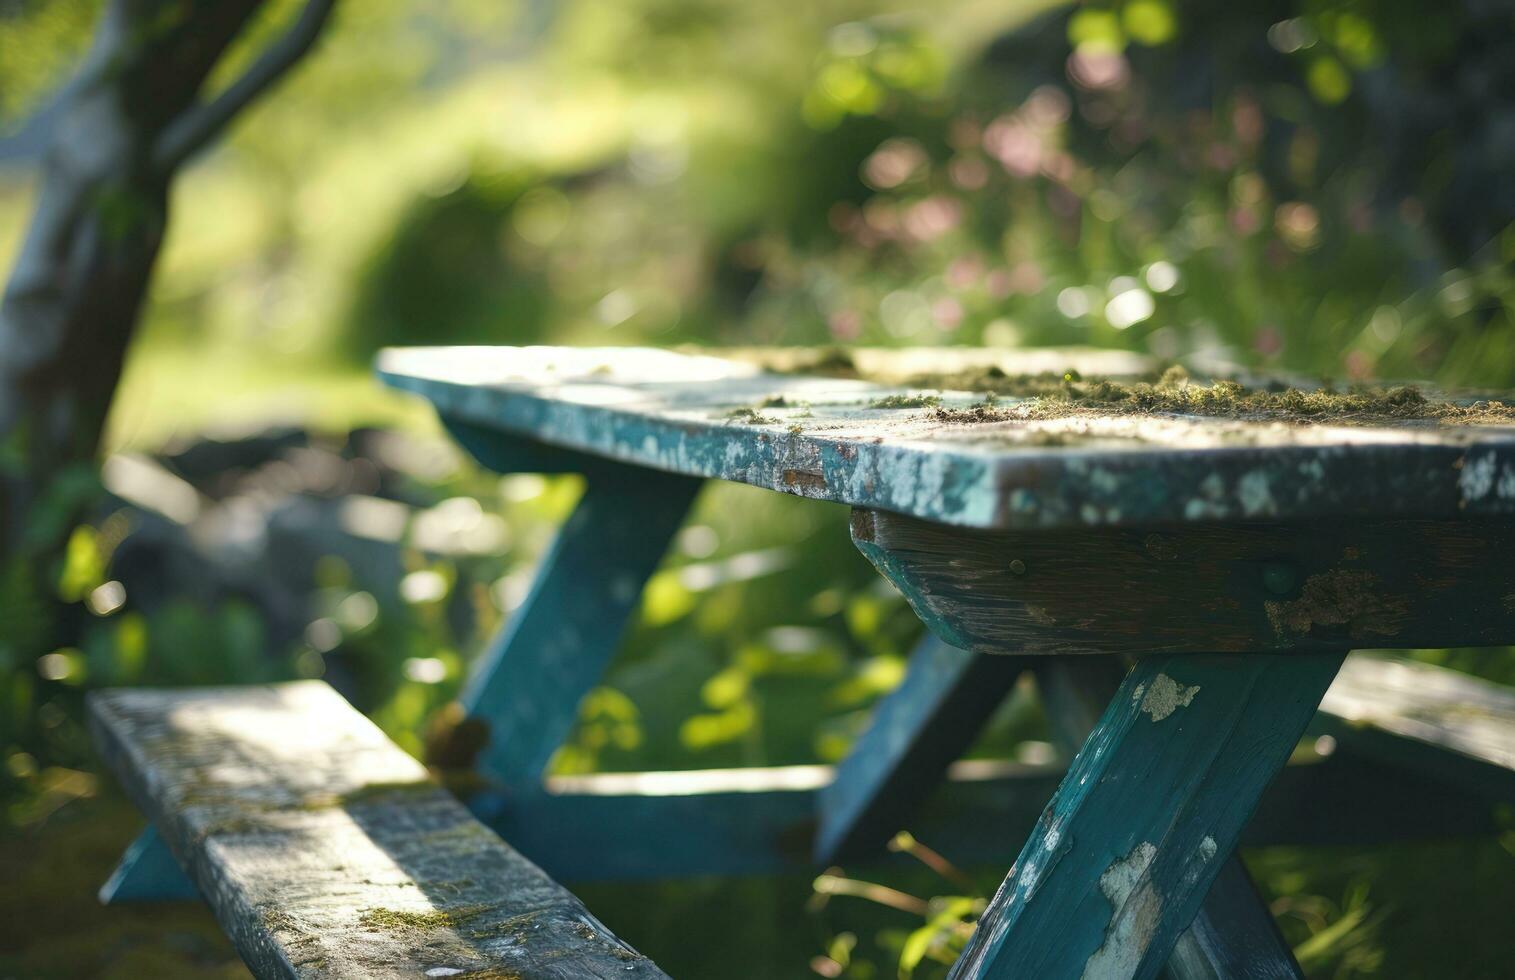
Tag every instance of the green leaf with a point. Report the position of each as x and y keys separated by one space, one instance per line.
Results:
x=1149 y=22
x=1097 y=29
x=1329 y=81
x=83 y=565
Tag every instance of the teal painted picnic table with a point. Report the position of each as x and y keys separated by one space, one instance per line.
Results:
x=1232 y=557
x=1181 y=564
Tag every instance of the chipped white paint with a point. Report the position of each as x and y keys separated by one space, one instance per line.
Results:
x=1199 y=509
x=1477 y=477
x=1104 y=481
x=1205 y=853
x=1135 y=907
x=1255 y=492
x=1120 y=878
x=1166 y=696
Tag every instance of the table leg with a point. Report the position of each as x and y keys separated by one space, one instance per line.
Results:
x=925 y=724
x=1233 y=935
x=528 y=685
x=917 y=731
x=147 y=872
x=1126 y=852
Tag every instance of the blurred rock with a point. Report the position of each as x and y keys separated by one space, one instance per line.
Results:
x=252 y=518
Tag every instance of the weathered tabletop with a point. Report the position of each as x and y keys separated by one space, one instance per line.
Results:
x=1114 y=445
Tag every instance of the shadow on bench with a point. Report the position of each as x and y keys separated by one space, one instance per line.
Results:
x=325 y=851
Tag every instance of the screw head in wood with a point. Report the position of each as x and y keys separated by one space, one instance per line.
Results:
x=1279 y=578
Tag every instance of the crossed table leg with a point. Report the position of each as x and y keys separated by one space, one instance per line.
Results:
x=1143 y=825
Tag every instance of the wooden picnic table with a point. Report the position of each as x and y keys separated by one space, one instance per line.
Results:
x=1182 y=562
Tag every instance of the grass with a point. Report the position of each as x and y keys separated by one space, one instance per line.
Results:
x=52 y=925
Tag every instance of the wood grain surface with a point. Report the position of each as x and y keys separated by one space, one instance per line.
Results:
x=325 y=851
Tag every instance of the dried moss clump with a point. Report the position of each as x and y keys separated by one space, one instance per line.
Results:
x=371 y=791
x=826 y=362
x=1341 y=597
x=278 y=920
x=517 y=927
x=985 y=412
x=402 y=920
x=906 y=401
x=749 y=415
x=1052 y=396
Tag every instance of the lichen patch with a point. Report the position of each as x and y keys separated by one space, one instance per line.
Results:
x=1165 y=696
x=1340 y=597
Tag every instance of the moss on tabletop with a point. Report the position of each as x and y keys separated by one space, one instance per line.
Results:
x=906 y=401
x=1174 y=392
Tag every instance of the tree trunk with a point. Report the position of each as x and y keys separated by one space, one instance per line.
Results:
x=132 y=117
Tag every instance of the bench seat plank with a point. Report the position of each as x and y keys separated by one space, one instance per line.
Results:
x=1447 y=724
x=326 y=851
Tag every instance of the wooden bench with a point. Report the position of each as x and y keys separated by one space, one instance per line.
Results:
x=326 y=851
x=1416 y=716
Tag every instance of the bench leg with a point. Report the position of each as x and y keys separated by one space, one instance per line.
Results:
x=528 y=686
x=147 y=872
x=1127 y=850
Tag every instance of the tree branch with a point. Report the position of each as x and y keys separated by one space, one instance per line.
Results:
x=189 y=133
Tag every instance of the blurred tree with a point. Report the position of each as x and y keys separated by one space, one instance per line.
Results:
x=125 y=124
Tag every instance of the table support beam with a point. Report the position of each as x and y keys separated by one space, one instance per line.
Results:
x=604 y=827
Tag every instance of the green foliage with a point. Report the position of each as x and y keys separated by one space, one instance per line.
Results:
x=39 y=41
x=457 y=247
